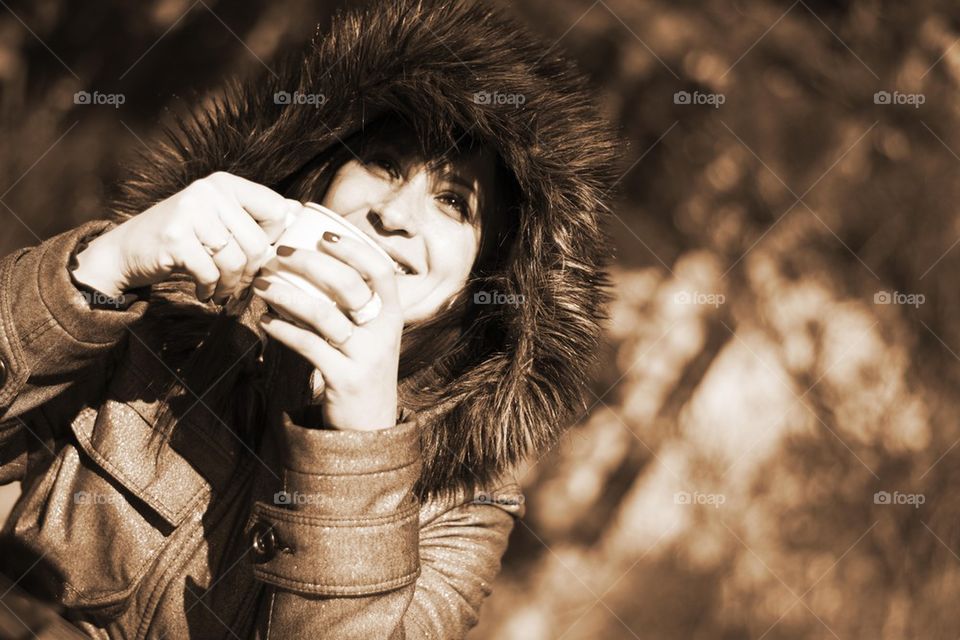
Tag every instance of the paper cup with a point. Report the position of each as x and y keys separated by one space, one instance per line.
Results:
x=305 y=231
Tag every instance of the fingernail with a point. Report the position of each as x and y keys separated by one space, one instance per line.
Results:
x=331 y=237
x=266 y=319
x=283 y=251
x=261 y=284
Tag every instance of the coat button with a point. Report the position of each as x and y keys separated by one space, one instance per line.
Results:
x=263 y=542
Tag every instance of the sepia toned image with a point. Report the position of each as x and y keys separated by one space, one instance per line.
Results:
x=478 y=319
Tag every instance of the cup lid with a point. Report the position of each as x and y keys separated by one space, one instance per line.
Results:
x=349 y=229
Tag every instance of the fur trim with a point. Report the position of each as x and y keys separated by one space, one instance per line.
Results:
x=429 y=61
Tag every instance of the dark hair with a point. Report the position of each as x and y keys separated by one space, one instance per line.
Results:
x=237 y=391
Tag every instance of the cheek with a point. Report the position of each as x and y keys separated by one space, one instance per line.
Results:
x=453 y=252
x=349 y=189
x=452 y=248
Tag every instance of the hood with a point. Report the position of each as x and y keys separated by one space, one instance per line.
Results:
x=449 y=67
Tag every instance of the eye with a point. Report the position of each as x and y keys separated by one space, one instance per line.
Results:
x=384 y=164
x=456 y=202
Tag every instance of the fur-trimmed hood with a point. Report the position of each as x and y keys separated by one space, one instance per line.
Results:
x=450 y=67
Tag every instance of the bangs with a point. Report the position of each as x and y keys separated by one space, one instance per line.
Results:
x=436 y=145
x=439 y=147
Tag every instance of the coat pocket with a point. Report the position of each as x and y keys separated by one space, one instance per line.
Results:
x=104 y=513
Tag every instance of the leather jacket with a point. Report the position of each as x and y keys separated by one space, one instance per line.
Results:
x=315 y=535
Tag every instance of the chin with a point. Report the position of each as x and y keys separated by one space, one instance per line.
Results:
x=408 y=302
x=414 y=303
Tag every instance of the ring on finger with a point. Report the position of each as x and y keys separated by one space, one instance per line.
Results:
x=343 y=341
x=370 y=310
x=220 y=247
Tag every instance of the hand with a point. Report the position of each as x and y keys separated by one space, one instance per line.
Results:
x=178 y=235
x=359 y=364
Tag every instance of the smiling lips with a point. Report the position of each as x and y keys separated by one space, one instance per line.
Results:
x=402 y=268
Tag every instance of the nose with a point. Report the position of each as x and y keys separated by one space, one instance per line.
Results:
x=397 y=213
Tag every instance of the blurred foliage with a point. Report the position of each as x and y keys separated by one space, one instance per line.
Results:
x=757 y=391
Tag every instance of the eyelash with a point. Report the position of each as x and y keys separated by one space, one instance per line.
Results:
x=456 y=200
x=458 y=203
x=387 y=165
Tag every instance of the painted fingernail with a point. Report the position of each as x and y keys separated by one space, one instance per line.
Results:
x=331 y=237
x=261 y=284
x=283 y=251
x=266 y=319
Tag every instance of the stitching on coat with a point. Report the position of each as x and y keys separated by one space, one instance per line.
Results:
x=336 y=590
x=354 y=475
x=39 y=330
x=7 y=279
x=299 y=517
x=93 y=598
x=137 y=491
x=40 y=260
x=9 y=329
x=402 y=465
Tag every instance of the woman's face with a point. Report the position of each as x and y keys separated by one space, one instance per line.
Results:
x=427 y=219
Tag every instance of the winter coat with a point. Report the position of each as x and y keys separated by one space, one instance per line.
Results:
x=313 y=533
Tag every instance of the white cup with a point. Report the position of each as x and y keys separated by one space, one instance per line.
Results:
x=304 y=230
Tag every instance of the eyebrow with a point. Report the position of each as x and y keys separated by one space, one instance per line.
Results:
x=457 y=179
x=447 y=173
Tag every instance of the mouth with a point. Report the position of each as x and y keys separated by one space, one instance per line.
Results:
x=401 y=266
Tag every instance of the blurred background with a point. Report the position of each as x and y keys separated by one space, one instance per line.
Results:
x=773 y=433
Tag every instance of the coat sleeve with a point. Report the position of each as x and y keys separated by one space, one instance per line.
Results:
x=50 y=340
x=349 y=553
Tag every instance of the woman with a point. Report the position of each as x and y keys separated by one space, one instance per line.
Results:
x=205 y=453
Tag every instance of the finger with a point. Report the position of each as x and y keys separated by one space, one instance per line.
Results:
x=267 y=207
x=312 y=313
x=379 y=274
x=209 y=229
x=251 y=239
x=212 y=232
x=337 y=279
x=200 y=266
x=315 y=349
x=231 y=261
